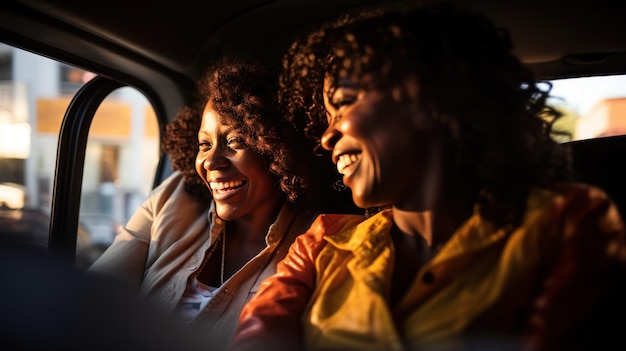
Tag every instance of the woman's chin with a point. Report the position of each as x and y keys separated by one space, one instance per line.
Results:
x=226 y=213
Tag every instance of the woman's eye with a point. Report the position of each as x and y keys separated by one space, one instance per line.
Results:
x=204 y=146
x=344 y=96
x=236 y=143
x=345 y=102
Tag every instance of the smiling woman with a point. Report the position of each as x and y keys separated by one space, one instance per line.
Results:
x=246 y=189
x=486 y=243
x=205 y=238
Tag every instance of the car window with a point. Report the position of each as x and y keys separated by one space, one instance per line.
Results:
x=123 y=146
x=593 y=107
x=120 y=160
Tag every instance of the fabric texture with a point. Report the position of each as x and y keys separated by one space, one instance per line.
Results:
x=548 y=284
x=167 y=240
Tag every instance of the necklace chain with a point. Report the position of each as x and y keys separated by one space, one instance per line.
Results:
x=223 y=255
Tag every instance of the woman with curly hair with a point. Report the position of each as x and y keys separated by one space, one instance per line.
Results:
x=240 y=193
x=483 y=240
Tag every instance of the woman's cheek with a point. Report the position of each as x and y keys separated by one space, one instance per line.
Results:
x=200 y=165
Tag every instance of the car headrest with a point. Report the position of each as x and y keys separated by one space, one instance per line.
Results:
x=602 y=162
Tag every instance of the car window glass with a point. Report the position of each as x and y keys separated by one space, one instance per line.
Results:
x=120 y=161
x=592 y=107
x=120 y=164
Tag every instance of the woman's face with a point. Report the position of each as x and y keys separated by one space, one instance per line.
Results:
x=378 y=144
x=239 y=179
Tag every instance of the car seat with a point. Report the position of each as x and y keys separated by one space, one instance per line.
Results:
x=601 y=162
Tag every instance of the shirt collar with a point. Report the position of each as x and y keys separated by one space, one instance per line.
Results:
x=275 y=232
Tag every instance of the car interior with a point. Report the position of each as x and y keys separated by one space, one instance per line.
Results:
x=87 y=88
x=160 y=49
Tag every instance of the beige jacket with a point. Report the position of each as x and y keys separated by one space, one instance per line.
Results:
x=166 y=241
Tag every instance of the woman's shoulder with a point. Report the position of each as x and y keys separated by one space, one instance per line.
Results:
x=331 y=223
x=577 y=188
x=571 y=193
x=562 y=193
x=172 y=181
x=341 y=229
x=574 y=202
x=171 y=194
x=324 y=226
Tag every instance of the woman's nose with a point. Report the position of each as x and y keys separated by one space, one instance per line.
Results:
x=215 y=159
x=330 y=137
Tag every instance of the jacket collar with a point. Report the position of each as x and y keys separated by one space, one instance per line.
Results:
x=370 y=236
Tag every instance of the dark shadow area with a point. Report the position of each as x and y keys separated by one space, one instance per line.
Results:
x=602 y=162
x=49 y=305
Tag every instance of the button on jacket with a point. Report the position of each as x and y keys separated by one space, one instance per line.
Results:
x=540 y=283
x=167 y=240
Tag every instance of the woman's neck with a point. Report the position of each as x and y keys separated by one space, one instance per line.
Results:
x=253 y=228
x=245 y=237
x=437 y=220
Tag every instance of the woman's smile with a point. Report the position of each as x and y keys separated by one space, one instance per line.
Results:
x=223 y=190
x=345 y=161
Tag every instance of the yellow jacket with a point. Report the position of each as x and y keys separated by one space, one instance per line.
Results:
x=534 y=286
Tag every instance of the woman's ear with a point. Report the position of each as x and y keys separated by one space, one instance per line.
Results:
x=445 y=124
x=454 y=127
x=419 y=118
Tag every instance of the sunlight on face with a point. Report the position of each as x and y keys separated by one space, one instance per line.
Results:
x=240 y=181
x=376 y=143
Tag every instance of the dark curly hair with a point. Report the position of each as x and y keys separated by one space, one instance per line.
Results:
x=457 y=68
x=244 y=94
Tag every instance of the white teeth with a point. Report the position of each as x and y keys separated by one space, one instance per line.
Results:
x=226 y=185
x=346 y=160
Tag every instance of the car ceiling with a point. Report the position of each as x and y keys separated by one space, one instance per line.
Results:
x=555 y=38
